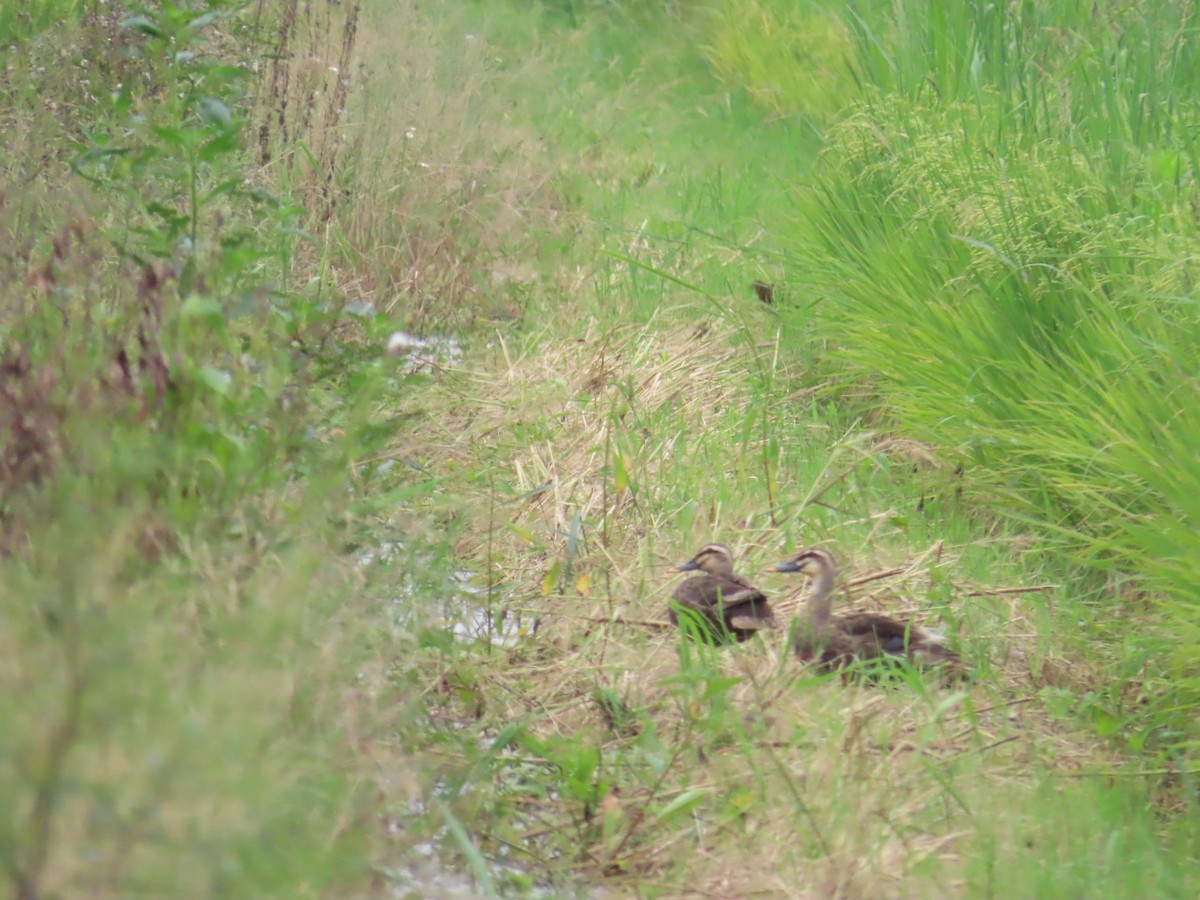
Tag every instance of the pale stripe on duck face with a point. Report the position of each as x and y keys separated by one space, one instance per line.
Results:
x=714 y=559
x=810 y=562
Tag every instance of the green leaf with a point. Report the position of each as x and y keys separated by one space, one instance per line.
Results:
x=217 y=72
x=95 y=155
x=225 y=187
x=550 y=578
x=361 y=309
x=142 y=24
x=218 y=381
x=717 y=686
x=441 y=639
x=479 y=866
x=177 y=137
x=509 y=736
x=537 y=491
x=204 y=20
x=621 y=473
x=223 y=143
x=261 y=195
x=1106 y=724
x=214 y=112
x=684 y=803
x=573 y=535
x=203 y=308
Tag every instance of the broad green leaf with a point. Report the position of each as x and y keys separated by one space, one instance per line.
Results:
x=550 y=578
x=214 y=112
x=205 y=309
x=684 y=803
x=217 y=380
x=143 y=24
x=620 y=472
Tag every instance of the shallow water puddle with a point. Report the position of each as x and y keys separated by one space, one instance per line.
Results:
x=467 y=609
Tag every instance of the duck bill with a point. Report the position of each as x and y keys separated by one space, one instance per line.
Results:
x=788 y=566
x=689 y=566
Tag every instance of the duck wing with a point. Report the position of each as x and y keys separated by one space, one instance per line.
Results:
x=746 y=607
x=752 y=615
x=741 y=605
x=708 y=593
x=893 y=637
x=833 y=649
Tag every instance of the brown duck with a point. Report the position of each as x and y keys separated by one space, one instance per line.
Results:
x=727 y=602
x=834 y=642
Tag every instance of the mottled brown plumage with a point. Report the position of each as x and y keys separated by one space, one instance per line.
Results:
x=834 y=642
x=726 y=601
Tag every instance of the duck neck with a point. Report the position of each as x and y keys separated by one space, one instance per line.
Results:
x=819 y=602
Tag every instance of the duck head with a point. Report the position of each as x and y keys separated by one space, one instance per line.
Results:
x=715 y=559
x=811 y=562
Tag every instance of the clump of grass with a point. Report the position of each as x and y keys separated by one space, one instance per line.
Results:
x=1011 y=286
x=150 y=742
x=175 y=715
x=617 y=748
x=790 y=60
x=25 y=19
x=301 y=110
x=440 y=194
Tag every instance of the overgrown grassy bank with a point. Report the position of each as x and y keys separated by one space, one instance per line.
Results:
x=667 y=418
x=181 y=640
x=1001 y=239
x=283 y=616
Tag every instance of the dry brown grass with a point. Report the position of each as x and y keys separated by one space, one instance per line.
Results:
x=428 y=191
x=406 y=163
x=811 y=787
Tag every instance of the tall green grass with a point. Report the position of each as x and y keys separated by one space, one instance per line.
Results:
x=21 y=20
x=1001 y=240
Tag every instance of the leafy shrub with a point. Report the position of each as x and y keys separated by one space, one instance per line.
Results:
x=180 y=642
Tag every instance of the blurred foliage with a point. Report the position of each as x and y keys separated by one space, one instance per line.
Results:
x=179 y=650
x=791 y=59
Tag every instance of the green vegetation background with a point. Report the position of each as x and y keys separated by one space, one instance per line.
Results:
x=233 y=552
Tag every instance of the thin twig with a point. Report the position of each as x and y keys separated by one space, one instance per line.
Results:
x=1136 y=773
x=876 y=576
x=27 y=877
x=982 y=710
x=491 y=581
x=994 y=744
x=799 y=801
x=638 y=815
x=995 y=592
x=618 y=620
